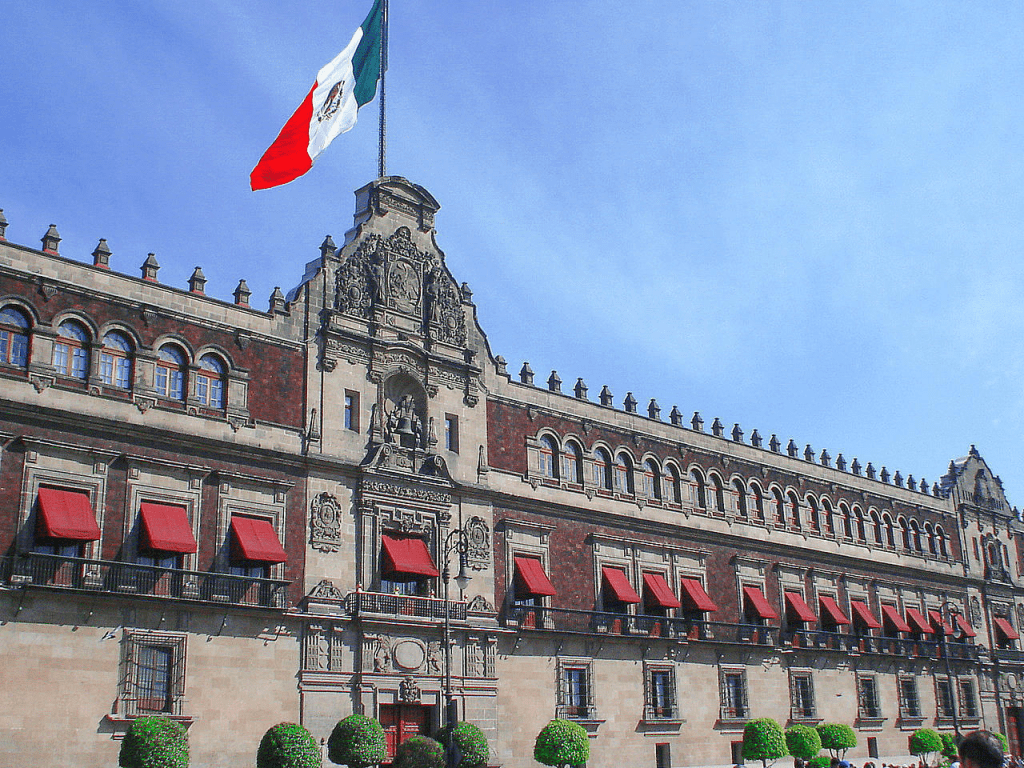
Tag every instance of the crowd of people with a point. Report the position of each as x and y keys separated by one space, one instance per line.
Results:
x=978 y=749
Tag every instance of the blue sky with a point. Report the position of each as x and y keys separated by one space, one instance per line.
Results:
x=803 y=217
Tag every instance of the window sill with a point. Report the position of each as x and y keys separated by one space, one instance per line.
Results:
x=121 y=723
x=806 y=720
x=871 y=723
x=732 y=724
x=659 y=725
x=910 y=723
x=590 y=725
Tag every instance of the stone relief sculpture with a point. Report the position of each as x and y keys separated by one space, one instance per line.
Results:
x=381 y=652
x=975 y=612
x=324 y=523
x=408 y=690
x=435 y=658
x=479 y=537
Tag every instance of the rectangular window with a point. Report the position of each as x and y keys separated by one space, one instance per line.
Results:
x=575 y=695
x=734 y=695
x=910 y=705
x=867 y=698
x=153 y=679
x=451 y=433
x=801 y=694
x=661 y=694
x=968 y=701
x=943 y=698
x=351 y=410
x=662 y=756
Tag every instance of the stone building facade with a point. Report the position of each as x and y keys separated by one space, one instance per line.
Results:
x=237 y=517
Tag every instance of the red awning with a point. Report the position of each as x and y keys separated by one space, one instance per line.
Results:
x=1006 y=629
x=861 y=611
x=67 y=515
x=918 y=621
x=166 y=528
x=696 y=597
x=407 y=554
x=938 y=623
x=831 y=607
x=802 y=610
x=531 y=575
x=895 y=620
x=616 y=582
x=257 y=540
x=658 y=589
x=965 y=626
x=760 y=602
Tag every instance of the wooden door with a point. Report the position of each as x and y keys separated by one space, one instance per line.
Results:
x=400 y=721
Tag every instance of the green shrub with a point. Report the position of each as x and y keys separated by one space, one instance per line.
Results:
x=764 y=740
x=1003 y=742
x=471 y=742
x=821 y=761
x=154 y=742
x=288 y=745
x=924 y=742
x=803 y=741
x=836 y=738
x=358 y=742
x=562 y=743
x=949 y=750
x=419 y=752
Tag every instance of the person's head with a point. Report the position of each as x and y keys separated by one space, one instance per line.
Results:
x=981 y=749
x=833 y=763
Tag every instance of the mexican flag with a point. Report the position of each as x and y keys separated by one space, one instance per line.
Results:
x=329 y=108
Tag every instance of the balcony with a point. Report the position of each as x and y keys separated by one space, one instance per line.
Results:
x=77 y=574
x=376 y=604
x=1011 y=655
x=883 y=646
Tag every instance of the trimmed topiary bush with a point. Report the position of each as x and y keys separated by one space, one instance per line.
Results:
x=288 y=745
x=154 y=742
x=924 y=742
x=803 y=741
x=764 y=740
x=1003 y=742
x=949 y=750
x=821 y=761
x=471 y=742
x=836 y=738
x=419 y=752
x=358 y=742
x=563 y=744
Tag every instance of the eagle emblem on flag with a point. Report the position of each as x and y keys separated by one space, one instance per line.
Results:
x=333 y=102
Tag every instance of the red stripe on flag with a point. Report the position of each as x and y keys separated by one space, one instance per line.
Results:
x=288 y=157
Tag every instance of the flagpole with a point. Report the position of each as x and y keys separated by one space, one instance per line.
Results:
x=383 y=123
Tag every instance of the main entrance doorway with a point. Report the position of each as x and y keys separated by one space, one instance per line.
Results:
x=1013 y=724
x=400 y=721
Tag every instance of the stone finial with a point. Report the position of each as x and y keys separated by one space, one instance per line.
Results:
x=3 y=225
x=675 y=416
x=808 y=453
x=910 y=483
x=242 y=294
x=737 y=433
x=101 y=254
x=580 y=390
x=824 y=459
x=755 y=439
x=855 y=467
x=605 y=396
x=52 y=239
x=884 y=475
x=791 y=448
x=973 y=452
x=869 y=470
x=197 y=283
x=277 y=301
x=526 y=374
x=697 y=422
x=775 y=444
x=841 y=463
x=554 y=382
x=467 y=293
x=717 y=429
x=923 y=486
x=150 y=267
x=897 y=478
x=500 y=365
x=629 y=403
x=654 y=410
x=327 y=247
x=935 y=489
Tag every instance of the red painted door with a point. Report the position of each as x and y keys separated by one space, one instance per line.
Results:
x=1013 y=729
x=400 y=721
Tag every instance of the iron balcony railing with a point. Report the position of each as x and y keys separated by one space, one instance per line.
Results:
x=1008 y=654
x=122 y=578
x=886 y=646
x=416 y=606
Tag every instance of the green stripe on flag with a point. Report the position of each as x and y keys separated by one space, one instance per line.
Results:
x=366 y=61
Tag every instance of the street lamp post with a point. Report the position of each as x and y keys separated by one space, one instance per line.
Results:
x=455 y=541
x=946 y=616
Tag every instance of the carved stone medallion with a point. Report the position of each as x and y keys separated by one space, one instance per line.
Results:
x=478 y=536
x=325 y=523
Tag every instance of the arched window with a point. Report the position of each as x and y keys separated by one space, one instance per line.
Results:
x=930 y=539
x=699 y=489
x=876 y=528
x=652 y=480
x=940 y=538
x=116 y=361
x=572 y=463
x=675 y=486
x=858 y=519
x=170 y=372
x=14 y=325
x=210 y=381
x=547 y=454
x=844 y=512
x=905 y=528
x=70 y=352
x=719 y=491
x=755 y=489
x=602 y=469
x=741 y=498
x=828 y=523
x=915 y=536
x=780 y=507
x=812 y=513
x=890 y=535
x=794 y=510
x=623 y=474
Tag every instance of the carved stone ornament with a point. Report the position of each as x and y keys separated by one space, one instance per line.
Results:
x=975 y=611
x=435 y=658
x=326 y=590
x=409 y=691
x=480 y=604
x=478 y=537
x=325 y=523
x=1020 y=615
x=381 y=649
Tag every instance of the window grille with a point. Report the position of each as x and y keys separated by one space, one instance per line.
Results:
x=801 y=693
x=575 y=691
x=733 y=695
x=867 y=698
x=153 y=674
x=968 y=701
x=910 y=705
x=944 y=698
x=660 y=694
